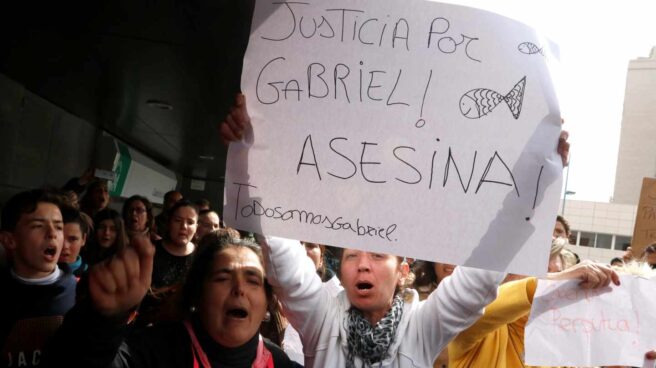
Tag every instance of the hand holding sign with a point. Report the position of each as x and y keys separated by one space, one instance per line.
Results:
x=563 y=147
x=592 y=275
x=236 y=122
x=573 y=326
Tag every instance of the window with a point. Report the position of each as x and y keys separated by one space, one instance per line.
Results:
x=622 y=242
x=587 y=239
x=604 y=241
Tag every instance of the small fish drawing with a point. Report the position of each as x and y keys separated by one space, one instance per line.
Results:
x=481 y=101
x=529 y=48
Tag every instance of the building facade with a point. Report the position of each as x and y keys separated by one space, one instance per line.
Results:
x=637 y=151
x=600 y=231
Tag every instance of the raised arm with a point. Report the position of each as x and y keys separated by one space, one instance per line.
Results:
x=295 y=281
x=96 y=327
x=592 y=275
x=458 y=301
x=118 y=285
x=513 y=302
x=515 y=299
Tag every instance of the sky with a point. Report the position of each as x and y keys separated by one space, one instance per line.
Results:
x=597 y=40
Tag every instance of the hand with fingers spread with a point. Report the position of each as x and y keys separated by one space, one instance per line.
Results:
x=120 y=283
x=592 y=275
x=237 y=122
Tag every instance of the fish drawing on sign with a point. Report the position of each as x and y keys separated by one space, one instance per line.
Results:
x=481 y=101
x=529 y=48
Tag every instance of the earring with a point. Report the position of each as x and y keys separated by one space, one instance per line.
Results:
x=267 y=317
x=192 y=309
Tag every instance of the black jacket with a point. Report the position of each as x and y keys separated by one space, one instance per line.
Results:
x=87 y=339
x=31 y=315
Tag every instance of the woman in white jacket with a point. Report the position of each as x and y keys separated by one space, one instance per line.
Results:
x=372 y=322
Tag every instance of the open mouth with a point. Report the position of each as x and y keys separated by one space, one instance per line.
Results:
x=364 y=285
x=50 y=252
x=239 y=313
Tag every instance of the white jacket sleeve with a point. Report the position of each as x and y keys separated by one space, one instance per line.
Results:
x=296 y=283
x=456 y=304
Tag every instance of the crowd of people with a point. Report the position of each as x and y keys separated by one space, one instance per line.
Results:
x=90 y=286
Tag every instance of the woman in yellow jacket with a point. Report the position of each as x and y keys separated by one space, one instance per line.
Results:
x=497 y=339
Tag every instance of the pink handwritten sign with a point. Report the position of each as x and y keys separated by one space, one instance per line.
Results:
x=572 y=326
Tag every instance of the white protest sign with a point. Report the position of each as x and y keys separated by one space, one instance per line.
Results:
x=571 y=326
x=408 y=127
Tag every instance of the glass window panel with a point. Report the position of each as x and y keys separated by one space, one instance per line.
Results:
x=604 y=241
x=622 y=242
x=587 y=239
